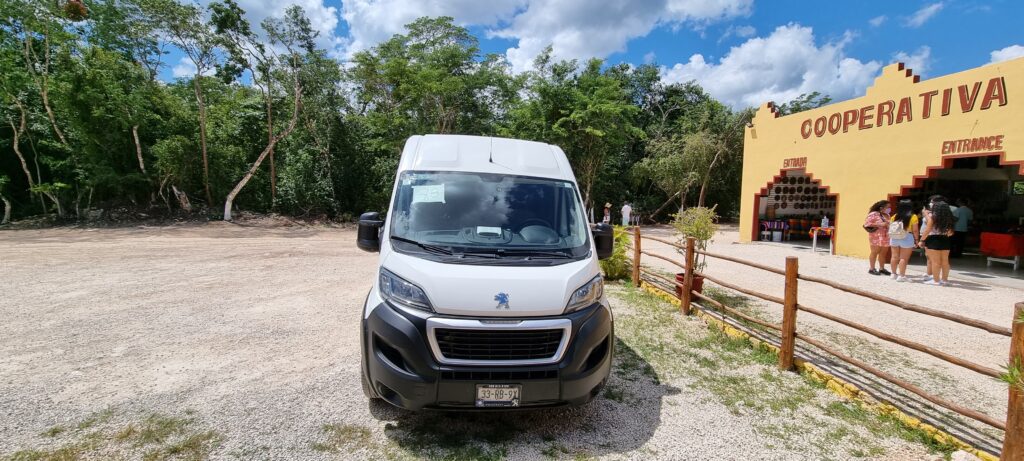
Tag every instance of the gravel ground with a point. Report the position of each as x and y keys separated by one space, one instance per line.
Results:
x=991 y=303
x=236 y=342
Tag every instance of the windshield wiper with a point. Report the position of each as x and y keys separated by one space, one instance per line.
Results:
x=445 y=251
x=530 y=254
x=426 y=246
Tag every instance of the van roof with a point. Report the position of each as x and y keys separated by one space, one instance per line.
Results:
x=434 y=152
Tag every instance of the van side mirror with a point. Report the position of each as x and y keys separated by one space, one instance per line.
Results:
x=604 y=240
x=368 y=231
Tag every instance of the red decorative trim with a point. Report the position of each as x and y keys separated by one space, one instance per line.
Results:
x=917 y=181
x=908 y=72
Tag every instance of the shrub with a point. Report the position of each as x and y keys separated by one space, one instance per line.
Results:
x=701 y=223
x=618 y=266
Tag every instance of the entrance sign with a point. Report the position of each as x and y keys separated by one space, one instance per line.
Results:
x=799 y=162
x=965 y=146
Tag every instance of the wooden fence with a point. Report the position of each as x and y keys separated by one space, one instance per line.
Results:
x=1013 y=426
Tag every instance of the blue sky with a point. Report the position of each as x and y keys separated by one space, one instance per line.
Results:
x=744 y=52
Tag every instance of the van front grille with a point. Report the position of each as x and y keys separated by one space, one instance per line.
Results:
x=498 y=345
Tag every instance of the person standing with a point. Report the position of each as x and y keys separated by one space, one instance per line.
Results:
x=904 y=232
x=626 y=211
x=877 y=225
x=607 y=213
x=963 y=216
x=936 y=242
x=926 y=215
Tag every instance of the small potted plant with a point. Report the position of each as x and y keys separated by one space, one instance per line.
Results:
x=701 y=223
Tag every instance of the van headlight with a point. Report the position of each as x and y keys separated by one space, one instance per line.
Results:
x=586 y=295
x=395 y=289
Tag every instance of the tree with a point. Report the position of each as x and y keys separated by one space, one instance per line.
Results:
x=597 y=124
x=4 y=180
x=246 y=52
x=129 y=28
x=585 y=111
x=432 y=79
x=295 y=34
x=37 y=26
x=692 y=136
x=184 y=26
x=84 y=121
x=669 y=168
x=804 y=102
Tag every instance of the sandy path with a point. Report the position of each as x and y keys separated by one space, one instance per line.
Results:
x=985 y=302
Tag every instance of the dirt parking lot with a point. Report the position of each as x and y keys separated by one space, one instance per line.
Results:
x=238 y=342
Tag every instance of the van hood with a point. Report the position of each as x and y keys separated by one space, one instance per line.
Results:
x=473 y=290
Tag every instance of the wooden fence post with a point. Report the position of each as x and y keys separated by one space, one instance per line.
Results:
x=688 y=278
x=636 y=256
x=1013 y=441
x=789 y=315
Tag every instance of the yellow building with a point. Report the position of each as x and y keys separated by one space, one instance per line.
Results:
x=960 y=135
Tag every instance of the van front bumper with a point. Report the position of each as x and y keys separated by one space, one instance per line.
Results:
x=402 y=370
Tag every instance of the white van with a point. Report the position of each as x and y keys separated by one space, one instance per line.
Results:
x=489 y=293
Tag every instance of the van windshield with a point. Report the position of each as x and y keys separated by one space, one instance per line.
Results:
x=493 y=215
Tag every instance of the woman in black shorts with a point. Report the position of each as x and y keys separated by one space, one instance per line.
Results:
x=938 y=231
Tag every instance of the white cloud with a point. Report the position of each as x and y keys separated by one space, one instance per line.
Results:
x=920 y=62
x=186 y=69
x=738 y=31
x=745 y=31
x=574 y=28
x=1008 y=53
x=373 y=21
x=650 y=57
x=778 y=68
x=877 y=20
x=578 y=29
x=922 y=15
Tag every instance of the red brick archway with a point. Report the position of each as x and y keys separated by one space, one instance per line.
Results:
x=917 y=181
x=777 y=187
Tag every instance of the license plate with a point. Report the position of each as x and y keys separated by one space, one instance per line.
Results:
x=497 y=395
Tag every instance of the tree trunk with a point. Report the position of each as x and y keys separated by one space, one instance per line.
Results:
x=270 y=139
x=160 y=191
x=60 y=209
x=202 y=137
x=263 y=155
x=41 y=80
x=707 y=177
x=588 y=203
x=182 y=199
x=49 y=113
x=682 y=201
x=7 y=210
x=17 y=149
x=138 y=148
x=662 y=207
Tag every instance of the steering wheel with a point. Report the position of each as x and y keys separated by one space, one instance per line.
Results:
x=528 y=221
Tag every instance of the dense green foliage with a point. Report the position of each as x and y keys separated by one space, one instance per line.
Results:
x=618 y=266
x=268 y=122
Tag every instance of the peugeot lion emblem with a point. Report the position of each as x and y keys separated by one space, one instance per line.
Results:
x=502 y=299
